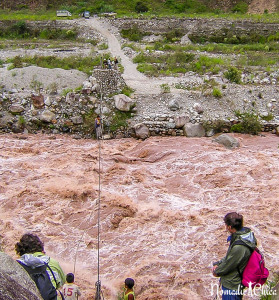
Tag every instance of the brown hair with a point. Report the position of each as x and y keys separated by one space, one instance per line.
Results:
x=29 y=243
x=234 y=220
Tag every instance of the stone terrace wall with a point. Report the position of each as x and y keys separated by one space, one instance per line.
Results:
x=195 y=25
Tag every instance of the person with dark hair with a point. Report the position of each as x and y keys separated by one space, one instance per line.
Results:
x=70 y=290
x=230 y=268
x=129 y=293
x=98 y=127
x=31 y=251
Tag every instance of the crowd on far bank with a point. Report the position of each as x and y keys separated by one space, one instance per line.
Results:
x=110 y=63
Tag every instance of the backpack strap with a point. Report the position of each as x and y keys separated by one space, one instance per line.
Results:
x=47 y=266
x=240 y=242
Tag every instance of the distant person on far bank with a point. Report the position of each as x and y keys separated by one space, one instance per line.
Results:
x=115 y=63
x=98 y=127
x=230 y=268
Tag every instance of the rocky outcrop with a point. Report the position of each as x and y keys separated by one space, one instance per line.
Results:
x=123 y=102
x=15 y=281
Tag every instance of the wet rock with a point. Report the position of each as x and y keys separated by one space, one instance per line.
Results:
x=123 y=102
x=141 y=131
x=38 y=101
x=16 y=108
x=193 y=130
x=227 y=140
x=277 y=130
x=15 y=282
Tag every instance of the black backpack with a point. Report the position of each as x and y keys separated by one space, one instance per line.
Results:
x=42 y=280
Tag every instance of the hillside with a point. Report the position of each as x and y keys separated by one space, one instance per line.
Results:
x=155 y=6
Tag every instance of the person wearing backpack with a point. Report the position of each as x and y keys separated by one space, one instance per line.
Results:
x=45 y=271
x=230 y=268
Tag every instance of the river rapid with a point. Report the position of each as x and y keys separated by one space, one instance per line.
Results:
x=161 y=207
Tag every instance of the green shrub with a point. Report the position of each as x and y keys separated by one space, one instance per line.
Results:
x=241 y=7
x=268 y=118
x=233 y=75
x=141 y=7
x=133 y=34
x=127 y=91
x=249 y=123
x=165 y=88
x=217 y=93
x=119 y=120
x=173 y=35
x=17 y=62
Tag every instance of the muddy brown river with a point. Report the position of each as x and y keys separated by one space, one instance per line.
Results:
x=161 y=207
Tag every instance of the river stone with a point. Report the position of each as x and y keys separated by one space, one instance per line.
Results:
x=277 y=130
x=174 y=105
x=141 y=131
x=198 y=108
x=15 y=281
x=47 y=116
x=77 y=120
x=70 y=98
x=16 y=108
x=193 y=130
x=227 y=140
x=123 y=102
x=185 y=40
x=38 y=101
x=180 y=121
x=6 y=120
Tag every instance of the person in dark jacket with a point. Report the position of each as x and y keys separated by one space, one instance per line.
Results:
x=230 y=268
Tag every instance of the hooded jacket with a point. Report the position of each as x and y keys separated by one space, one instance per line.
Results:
x=232 y=265
x=38 y=259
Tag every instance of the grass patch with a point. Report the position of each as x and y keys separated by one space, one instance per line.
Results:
x=164 y=64
x=83 y=64
x=119 y=120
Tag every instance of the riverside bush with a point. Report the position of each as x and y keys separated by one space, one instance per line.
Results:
x=249 y=123
x=233 y=75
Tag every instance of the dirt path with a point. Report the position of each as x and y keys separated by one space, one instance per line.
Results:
x=136 y=80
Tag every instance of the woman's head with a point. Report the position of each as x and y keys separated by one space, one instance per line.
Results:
x=29 y=243
x=234 y=220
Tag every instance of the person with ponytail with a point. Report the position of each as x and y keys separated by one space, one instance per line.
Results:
x=230 y=268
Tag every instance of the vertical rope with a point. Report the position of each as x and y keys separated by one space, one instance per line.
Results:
x=98 y=283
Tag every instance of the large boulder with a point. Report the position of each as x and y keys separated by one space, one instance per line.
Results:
x=227 y=140
x=15 y=281
x=193 y=130
x=141 y=131
x=123 y=102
